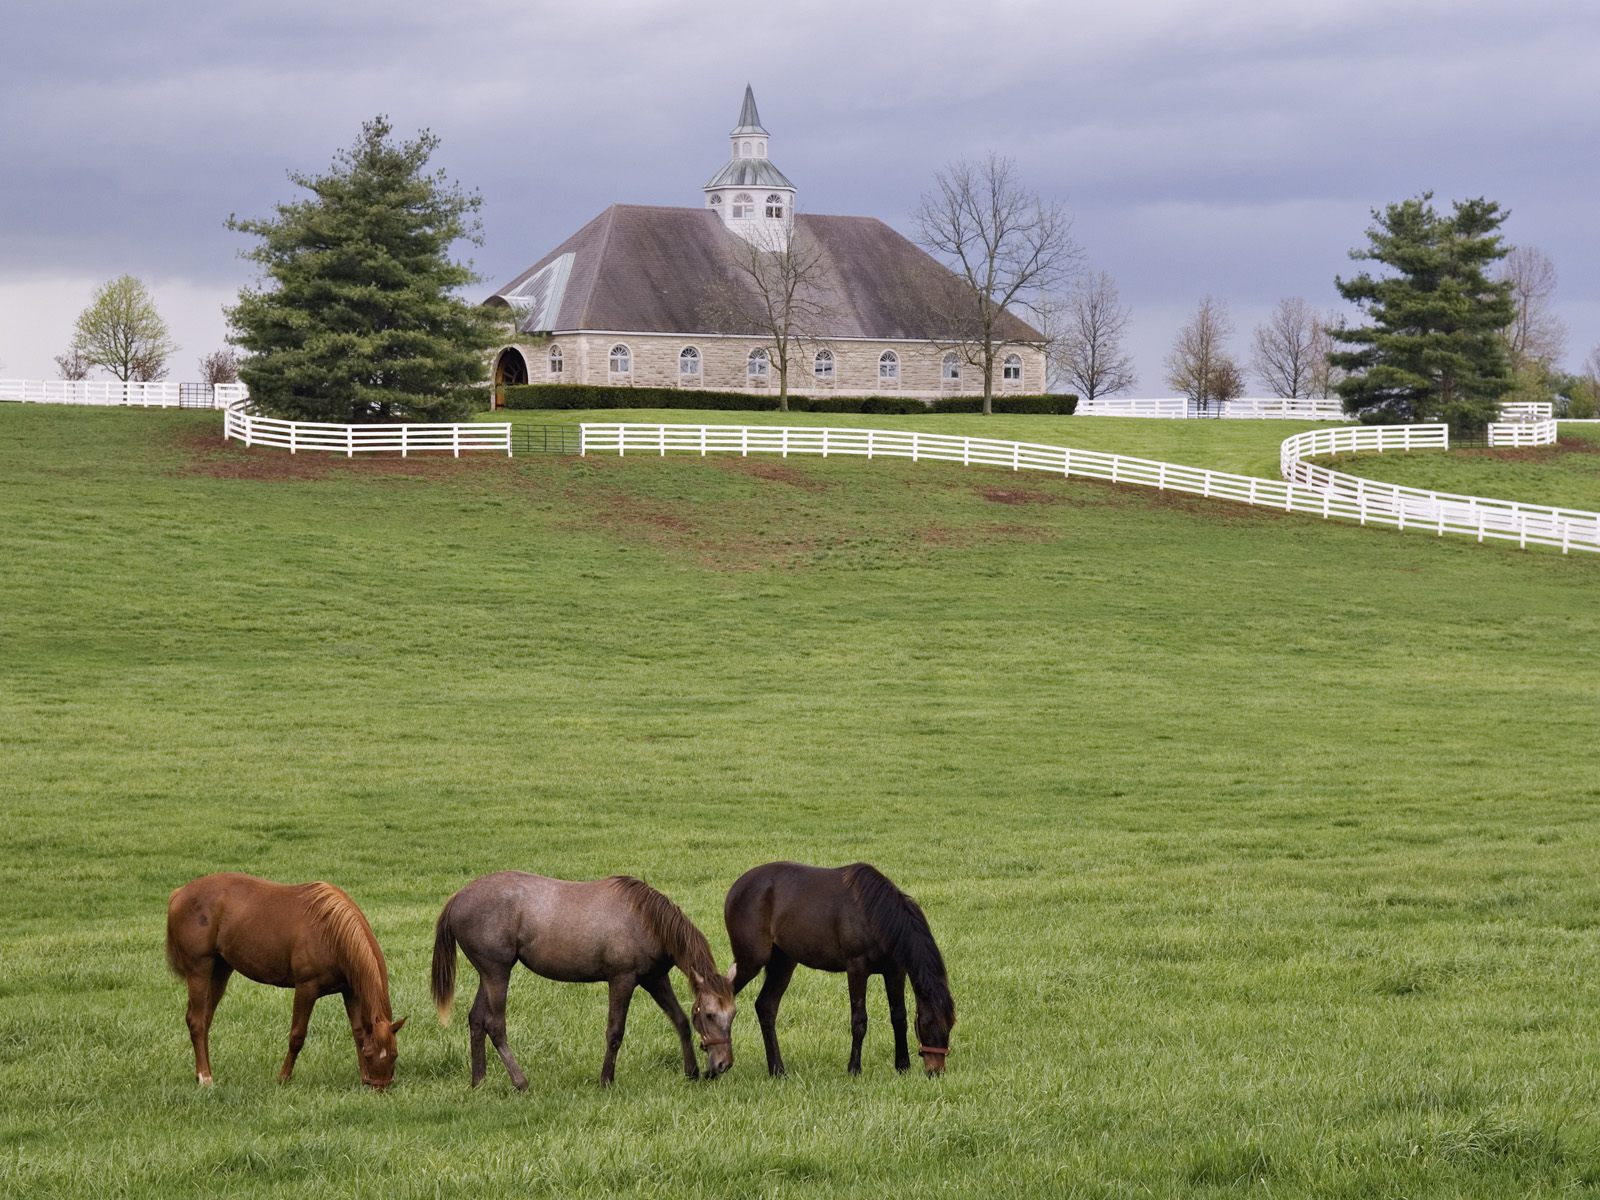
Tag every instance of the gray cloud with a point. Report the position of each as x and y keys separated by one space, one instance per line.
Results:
x=1224 y=148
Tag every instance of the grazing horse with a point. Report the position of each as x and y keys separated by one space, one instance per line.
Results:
x=620 y=930
x=307 y=936
x=849 y=919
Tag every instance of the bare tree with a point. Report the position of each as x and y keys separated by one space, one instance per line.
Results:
x=1536 y=335
x=122 y=332
x=220 y=366
x=71 y=364
x=1007 y=249
x=1324 y=375
x=1227 y=381
x=777 y=289
x=1199 y=351
x=1086 y=333
x=1287 y=348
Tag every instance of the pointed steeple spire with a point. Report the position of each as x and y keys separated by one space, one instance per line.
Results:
x=749 y=119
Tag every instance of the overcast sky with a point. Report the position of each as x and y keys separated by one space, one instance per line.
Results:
x=1203 y=146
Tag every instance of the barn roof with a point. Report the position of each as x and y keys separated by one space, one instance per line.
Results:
x=644 y=269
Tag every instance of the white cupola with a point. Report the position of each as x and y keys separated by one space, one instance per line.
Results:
x=752 y=196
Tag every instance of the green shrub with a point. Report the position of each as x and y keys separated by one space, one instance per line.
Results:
x=583 y=395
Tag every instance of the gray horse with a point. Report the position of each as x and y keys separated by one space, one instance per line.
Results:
x=620 y=930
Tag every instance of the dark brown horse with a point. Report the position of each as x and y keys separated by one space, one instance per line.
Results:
x=307 y=936
x=849 y=919
x=619 y=930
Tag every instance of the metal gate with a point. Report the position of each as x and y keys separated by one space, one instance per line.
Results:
x=195 y=395
x=544 y=439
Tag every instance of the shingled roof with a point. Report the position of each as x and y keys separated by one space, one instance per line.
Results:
x=643 y=269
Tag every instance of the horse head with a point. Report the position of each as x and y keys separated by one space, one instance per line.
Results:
x=934 y=1022
x=712 y=1016
x=378 y=1051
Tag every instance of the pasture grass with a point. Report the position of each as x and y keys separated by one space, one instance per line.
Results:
x=1566 y=474
x=1261 y=849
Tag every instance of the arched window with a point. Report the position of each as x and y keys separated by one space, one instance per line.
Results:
x=689 y=362
x=744 y=151
x=775 y=205
x=823 y=367
x=1011 y=369
x=555 y=360
x=743 y=206
x=755 y=366
x=621 y=359
x=889 y=367
x=715 y=201
x=950 y=369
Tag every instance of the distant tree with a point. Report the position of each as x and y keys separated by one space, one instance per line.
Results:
x=122 y=332
x=1007 y=248
x=1086 y=342
x=1227 y=382
x=71 y=364
x=361 y=320
x=1432 y=349
x=1199 y=351
x=777 y=289
x=220 y=366
x=1324 y=375
x=1535 y=334
x=1287 y=347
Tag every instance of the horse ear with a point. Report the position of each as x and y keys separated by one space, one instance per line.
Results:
x=733 y=972
x=395 y=1028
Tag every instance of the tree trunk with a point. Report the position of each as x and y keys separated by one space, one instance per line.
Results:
x=783 y=386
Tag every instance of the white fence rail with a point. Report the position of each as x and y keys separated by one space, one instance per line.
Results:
x=1311 y=489
x=116 y=393
x=350 y=440
x=1527 y=410
x=1249 y=408
x=1417 y=508
x=1523 y=433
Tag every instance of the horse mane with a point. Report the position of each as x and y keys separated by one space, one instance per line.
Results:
x=902 y=928
x=682 y=939
x=354 y=945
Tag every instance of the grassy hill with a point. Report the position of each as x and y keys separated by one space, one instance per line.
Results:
x=1261 y=849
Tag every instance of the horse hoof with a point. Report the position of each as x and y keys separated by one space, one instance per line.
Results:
x=203 y=1080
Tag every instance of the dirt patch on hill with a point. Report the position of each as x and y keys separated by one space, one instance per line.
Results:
x=772 y=472
x=999 y=495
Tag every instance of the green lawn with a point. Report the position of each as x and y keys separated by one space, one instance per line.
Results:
x=1261 y=849
x=1566 y=474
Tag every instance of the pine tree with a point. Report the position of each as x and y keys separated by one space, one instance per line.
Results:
x=361 y=321
x=1432 y=350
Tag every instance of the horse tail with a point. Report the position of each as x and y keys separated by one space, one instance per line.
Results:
x=902 y=929
x=444 y=964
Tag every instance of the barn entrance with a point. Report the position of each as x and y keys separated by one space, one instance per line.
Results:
x=510 y=370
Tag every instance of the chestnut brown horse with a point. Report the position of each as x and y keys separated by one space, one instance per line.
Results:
x=619 y=930
x=307 y=936
x=849 y=919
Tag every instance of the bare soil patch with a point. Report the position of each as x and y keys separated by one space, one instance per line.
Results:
x=772 y=472
x=998 y=495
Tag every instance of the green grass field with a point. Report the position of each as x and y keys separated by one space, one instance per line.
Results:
x=1262 y=849
x=1566 y=474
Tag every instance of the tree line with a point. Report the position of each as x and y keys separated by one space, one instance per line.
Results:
x=358 y=313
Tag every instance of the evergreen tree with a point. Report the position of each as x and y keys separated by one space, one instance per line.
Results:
x=1432 y=350
x=361 y=321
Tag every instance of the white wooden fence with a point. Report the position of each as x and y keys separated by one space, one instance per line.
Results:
x=1523 y=433
x=1527 y=410
x=114 y=392
x=350 y=440
x=1175 y=408
x=1306 y=488
x=1248 y=408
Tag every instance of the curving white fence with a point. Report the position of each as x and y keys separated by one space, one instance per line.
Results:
x=1306 y=488
x=1417 y=508
x=1523 y=433
x=1527 y=410
x=350 y=440
x=116 y=393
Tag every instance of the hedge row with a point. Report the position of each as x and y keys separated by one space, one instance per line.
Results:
x=580 y=395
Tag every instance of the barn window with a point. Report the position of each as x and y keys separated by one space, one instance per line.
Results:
x=775 y=205
x=1011 y=370
x=823 y=367
x=950 y=369
x=689 y=361
x=715 y=201
x=889 y=366
x=743 y=206
x=621 y=359
x=555 y=360
x=756 y=366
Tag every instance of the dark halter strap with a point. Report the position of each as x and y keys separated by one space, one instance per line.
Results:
x=707 y=1043
x=941 y=1051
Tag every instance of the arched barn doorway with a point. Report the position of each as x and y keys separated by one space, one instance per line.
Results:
x=510 y=370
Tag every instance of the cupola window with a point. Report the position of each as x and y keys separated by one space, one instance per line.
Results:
x=775 y=206
x=743 y=206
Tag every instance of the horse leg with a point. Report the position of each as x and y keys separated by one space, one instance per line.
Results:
x=780 y=969
x=660 y=989
x=493 y=980
x=894 y=986
x=305 y=999
x=478 y=1024
x=616 y=1024
x=858 y=1016
x=206 y=985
